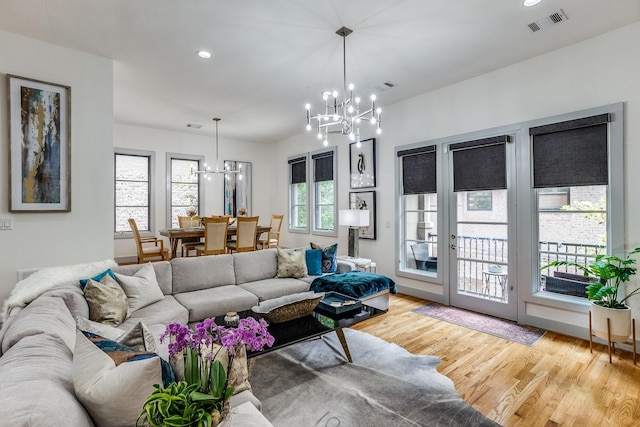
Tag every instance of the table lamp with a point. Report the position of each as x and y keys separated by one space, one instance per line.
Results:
x=354 y=219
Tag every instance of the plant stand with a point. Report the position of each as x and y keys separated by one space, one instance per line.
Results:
x=611 y=345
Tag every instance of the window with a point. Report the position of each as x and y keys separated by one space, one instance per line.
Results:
x=419 y=216
x=571 y=158
x=134 y=175
x=184 y=190
x=324 y=192
x=298 y=195
x=479 y=200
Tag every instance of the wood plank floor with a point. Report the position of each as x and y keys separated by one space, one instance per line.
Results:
x=556 y=382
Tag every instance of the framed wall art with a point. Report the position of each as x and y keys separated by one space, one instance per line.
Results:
x=237 y=189
x=365 y=200
x=362 y=163
x=40 y=146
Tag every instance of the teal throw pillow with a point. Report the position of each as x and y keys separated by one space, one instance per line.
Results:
x=329 y=261
x=83 y=282
x=313 y=257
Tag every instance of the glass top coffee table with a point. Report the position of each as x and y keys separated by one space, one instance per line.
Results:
x=318 y=323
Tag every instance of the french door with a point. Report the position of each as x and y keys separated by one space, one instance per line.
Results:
x=482 y=258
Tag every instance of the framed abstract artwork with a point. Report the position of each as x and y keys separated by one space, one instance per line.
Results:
x=237 y=188
x=362 y=164
x=40 y=146
x=365 y=200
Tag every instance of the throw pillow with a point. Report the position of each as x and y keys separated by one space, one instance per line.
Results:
x=101 y=329
x=139 y=338
x=113 y=381
x=313 y=258
x=291 y=264
x=329 y=261
x=107 y=301
x=97 y=278
x=142 y=288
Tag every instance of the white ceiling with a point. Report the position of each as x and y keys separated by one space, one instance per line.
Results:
x=273 y=56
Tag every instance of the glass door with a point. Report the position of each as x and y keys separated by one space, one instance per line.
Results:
x=479 y=240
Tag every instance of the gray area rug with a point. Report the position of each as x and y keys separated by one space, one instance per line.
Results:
x=312 y=384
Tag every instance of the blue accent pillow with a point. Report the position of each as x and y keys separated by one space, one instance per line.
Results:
x=329 y=261
x=313 y=257
x=83 y=282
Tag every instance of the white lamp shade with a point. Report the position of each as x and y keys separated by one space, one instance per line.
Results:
x=353 y=218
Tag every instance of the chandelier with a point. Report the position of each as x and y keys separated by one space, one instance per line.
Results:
x=343 y=115
x=207 y=172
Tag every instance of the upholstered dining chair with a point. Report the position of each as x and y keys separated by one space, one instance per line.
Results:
x=215 y=237
x=146 y=252
x=188 y=243
x=273 y=236
x=247 y=227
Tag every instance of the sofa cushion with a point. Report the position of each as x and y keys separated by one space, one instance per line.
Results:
x=107 y=301
x=216 y=301
x=113 y=395
x=167 y=311
x=37 y=385
x=256 y=265
x=72 y=296
x=196 y=273
x=161 y=268
x=142 y=289
x=275 y=288
x=45 y=315
x=291 y=263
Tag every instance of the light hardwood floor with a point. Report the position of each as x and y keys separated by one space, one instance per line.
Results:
x=556 y=382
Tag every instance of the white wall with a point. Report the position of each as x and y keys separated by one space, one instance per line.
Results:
x=84 y=234
x=597 y=72
x=162 y=142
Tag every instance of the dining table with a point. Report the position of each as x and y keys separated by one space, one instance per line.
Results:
x=175 y=235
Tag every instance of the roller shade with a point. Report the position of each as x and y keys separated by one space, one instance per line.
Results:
x=298 y=170
x=571 y=153
x=418 y=170
x=480 y=164
x=323 y=166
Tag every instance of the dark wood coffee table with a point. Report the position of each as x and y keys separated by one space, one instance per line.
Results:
x=319 y=323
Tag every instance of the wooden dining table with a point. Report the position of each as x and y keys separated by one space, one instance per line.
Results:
x=175 y=235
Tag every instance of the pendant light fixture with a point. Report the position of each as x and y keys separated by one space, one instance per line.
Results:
x=226 y=170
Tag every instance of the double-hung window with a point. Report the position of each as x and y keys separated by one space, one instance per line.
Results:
x=134 y=175
x=419 y=210
x=298 y=194
x=324 y=192
x=184 y=189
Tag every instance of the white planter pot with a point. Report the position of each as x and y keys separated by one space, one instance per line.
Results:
x=620 y=321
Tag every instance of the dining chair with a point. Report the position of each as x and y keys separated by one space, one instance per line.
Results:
x=188 y=243
x=145 y=251
x=273 y=236
x=215 y=237
x=246 y=229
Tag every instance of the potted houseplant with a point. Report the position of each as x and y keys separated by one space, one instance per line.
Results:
x=607 y=299
x=201 y=399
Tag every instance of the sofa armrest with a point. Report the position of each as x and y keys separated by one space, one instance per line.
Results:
x=344 y=266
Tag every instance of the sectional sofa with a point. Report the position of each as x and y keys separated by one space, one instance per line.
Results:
x=38 y=341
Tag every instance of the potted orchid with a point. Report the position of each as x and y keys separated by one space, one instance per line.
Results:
x=201 y=399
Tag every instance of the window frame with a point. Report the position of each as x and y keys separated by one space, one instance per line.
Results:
x=291 y=229
x=169 y=183
x=151 y=161
x=314 y=193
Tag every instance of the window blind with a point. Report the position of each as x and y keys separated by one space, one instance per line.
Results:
x=418 y=170
x=323 y=166
x=480 y=164
x=298 y=170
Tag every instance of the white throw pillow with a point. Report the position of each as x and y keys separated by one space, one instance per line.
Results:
x=142 y=288
x=113 y=395
x=109 y=332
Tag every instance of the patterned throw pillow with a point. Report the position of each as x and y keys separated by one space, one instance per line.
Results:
x=107 y=301
x=329 y=261
x=291 y=263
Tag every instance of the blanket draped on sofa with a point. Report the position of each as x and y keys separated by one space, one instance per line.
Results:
x=357 y=284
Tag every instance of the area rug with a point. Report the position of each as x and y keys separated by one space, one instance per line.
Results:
x=312 y=384
x=527 y=335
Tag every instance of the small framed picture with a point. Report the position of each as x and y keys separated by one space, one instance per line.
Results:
x=365 y=200
x=40 y=146
x=362 y=163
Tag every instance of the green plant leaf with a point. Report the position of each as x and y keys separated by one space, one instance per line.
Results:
x=217 y=379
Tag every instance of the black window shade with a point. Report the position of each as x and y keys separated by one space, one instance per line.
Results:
x=419 y=170
x=480 y=164
x=323 y=166
x=298 y=170
x=571 y=153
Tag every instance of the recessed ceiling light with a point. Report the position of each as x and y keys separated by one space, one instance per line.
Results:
x=204 y=54
x=529 y=3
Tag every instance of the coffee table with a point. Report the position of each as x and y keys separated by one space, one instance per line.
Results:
x=318 y=323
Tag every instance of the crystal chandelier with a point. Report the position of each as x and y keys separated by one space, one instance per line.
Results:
x=343 y=116
x=207 y=172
